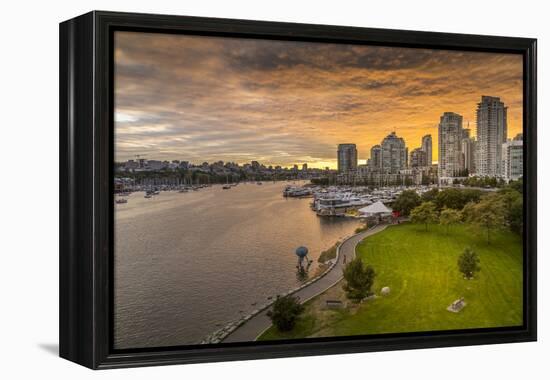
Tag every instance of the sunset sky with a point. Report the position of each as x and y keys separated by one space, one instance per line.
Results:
x=278 y=102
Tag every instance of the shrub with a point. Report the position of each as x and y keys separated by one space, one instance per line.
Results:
x=285 y=312
x=328 y=254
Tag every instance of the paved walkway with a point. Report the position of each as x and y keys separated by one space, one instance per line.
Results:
x=256 y=325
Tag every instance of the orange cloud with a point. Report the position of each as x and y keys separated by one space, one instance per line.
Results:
x=281 y=102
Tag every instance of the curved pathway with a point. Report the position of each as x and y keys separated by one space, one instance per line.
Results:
x=256 y=325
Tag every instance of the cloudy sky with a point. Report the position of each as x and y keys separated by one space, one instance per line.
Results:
x=206 y=99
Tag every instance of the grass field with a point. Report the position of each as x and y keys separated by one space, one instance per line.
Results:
x=421 y=269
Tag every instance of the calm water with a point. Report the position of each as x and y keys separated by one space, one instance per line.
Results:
x=188 y=263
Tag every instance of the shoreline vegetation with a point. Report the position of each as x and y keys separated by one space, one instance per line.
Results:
x=328 y=254
x=324 y=260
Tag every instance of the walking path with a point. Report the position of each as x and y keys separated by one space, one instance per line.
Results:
x=257 y=324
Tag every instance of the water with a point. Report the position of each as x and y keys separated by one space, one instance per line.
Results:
x=188 y=263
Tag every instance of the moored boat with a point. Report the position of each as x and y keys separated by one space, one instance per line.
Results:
x=293 y=191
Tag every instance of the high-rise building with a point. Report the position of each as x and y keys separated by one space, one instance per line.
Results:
x=375 y=162
x=468 y=154
x=347 y=158
x=492 y=129
x=427 y=148
x=512 y=158
x=304 y=167
x=393 y=154
x=450 y=145
x=418 y=158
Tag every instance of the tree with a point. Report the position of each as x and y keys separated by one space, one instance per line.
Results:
x=515 y=216
x=448 y=217
x=359 y=279
x=430 y=195
x=516 y=185
x=513 y=208
x=455 y=198
x=488 y=213
x=285 y=312
x=468 y=263
x=406 y=201
x=425 y=214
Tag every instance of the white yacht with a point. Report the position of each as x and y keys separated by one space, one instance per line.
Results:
x=293 y=191
x=337 y=204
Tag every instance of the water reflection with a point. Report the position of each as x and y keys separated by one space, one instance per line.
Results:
x=187 y=263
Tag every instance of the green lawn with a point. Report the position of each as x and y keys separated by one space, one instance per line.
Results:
x=421 y=269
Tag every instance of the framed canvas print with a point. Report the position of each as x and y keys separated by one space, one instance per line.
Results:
x=237 y=189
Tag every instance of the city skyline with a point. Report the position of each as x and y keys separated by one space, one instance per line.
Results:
x=284 y=103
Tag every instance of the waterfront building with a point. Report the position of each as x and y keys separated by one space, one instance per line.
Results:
x=393 y=154
x=412 y=176
x=512 y=159
x=492 y=129
x=427 y=148
x=450 y=148
x=347 y=158
x=368 y=178
x=131 y=165
x=156 y=165
x=363 y=171
x=418 y=158
x=377 y=209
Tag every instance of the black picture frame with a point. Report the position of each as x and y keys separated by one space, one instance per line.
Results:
x=86 y=204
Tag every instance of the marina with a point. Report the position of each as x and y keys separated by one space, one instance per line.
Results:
x=344 y=200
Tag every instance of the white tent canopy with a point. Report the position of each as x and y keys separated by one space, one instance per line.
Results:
x=377 y=208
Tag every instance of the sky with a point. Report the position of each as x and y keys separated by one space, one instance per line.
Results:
x=196 y=98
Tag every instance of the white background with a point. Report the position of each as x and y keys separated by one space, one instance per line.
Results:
x=29 y=187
